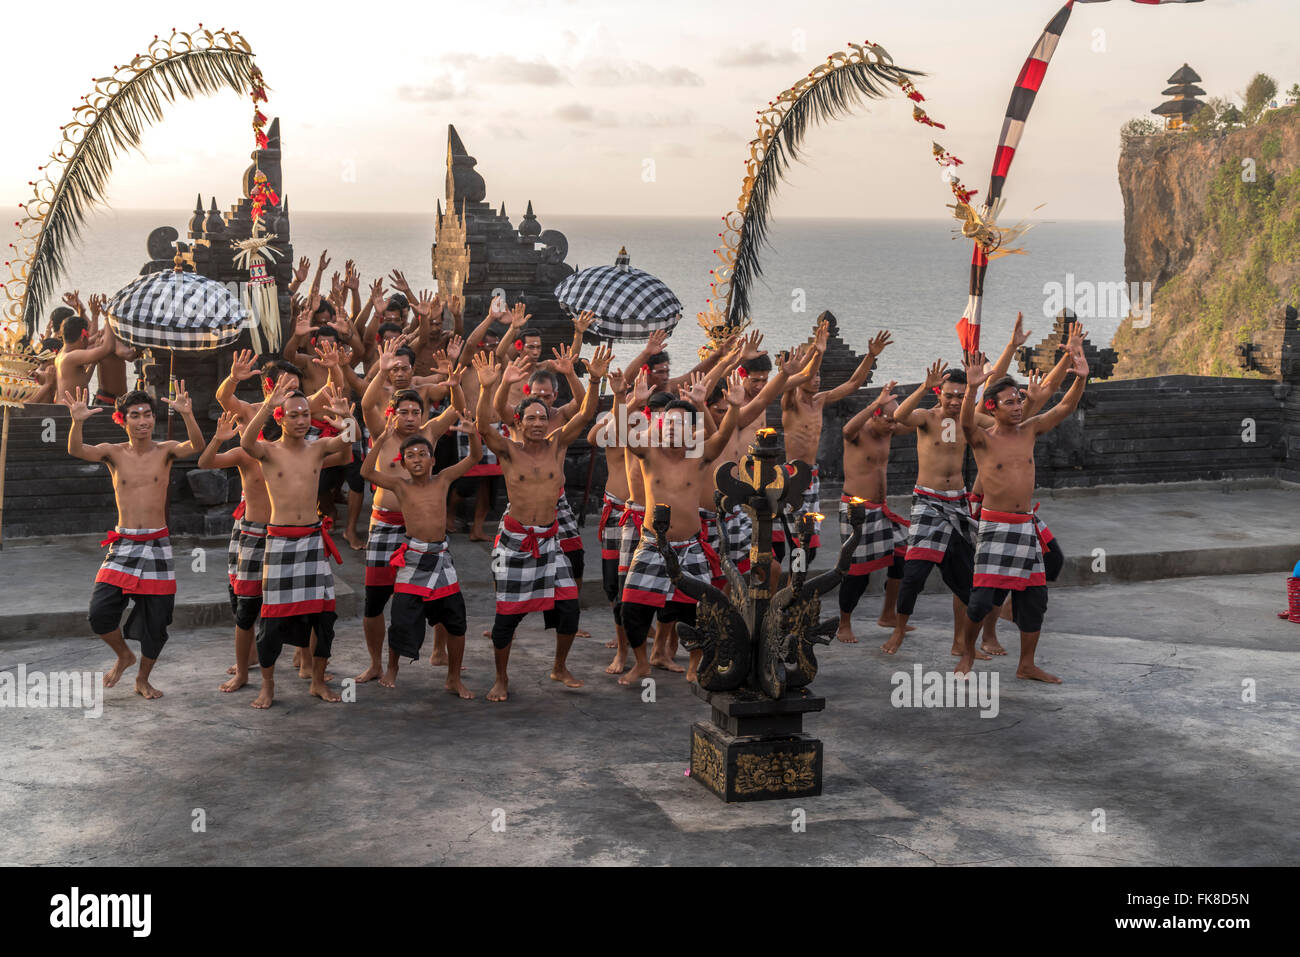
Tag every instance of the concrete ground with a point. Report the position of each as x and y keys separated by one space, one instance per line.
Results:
x=1171 y=742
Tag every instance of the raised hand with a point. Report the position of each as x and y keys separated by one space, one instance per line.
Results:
x=878 y=343
x=598 y=367
x=563 y=363
x=327 y=354
x=692 y=390
x=79 y=405
x=617 y=382
x=241 y=365
x=749 y=346
x=324 y=261
x=456 y=306
x=337 y=287
x=656 y=341
x=454 y=346
x=336 y=401
x=1019 y=334
x=428 y=305
x=583 y=321
x=1036 y=390
x=303 y=271
x=518 y=318
x=98 y=302
x=73 y=301
x=388 y=354
x=885 y=395
x=934 y=374
x=377 y=298
x=976 y=375
x=822 y=336
x=399 y=282
x=795 y=359
x=352 y=278
x=641 y=387
x=227 y=427
x=517 y=370
x=281 y=390
x=735 y=389
x=487 y=369
x=497 y=307
x=180 y=403
x=1081 y=364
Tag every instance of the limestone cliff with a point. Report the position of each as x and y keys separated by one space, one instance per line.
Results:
x=1218 y=240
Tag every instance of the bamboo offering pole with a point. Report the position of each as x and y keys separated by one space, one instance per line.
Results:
x=4 y=458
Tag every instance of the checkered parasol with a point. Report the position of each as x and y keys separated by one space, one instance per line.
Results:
x=182 y=311
x=629 y=303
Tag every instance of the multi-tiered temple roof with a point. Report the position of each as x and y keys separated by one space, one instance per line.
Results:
x=1184 y=104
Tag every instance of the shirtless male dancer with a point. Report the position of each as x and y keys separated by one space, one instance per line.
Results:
x=801 y=421
x=675 y=461
x=297 y=584
x=607 y=435
x=75 y=363
x=426 y=587
x=404 y=411
x=531 y=572
x=942 y=531
x=867 y=438
x=138 y=567
x=247 y=542
x=1009 y=552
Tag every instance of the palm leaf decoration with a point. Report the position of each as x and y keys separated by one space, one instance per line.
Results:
x=110 y=121
x=830 y=91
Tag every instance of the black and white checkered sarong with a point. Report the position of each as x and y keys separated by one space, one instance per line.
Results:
x=248 y=570
x=740 y=536
x=630 y=534
x=139 y=561
x=425 y=569
x=296 y=575
x=811 y=503
x=884 y=535
x=232 y=550
x=530 y=569
x=1008 y=553
x=647 y=578
x=611 y=535
x=386 y=535
x=569 y=535
x=936 y=515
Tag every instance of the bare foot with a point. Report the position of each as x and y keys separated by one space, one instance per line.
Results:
x=992 y=646
x=1035 y=673
x=457 y=688
x=892 y=623
x=439 y=660
x=581 y=634
x=667 y=664
x=266 y=696
x=232 y=670
x=114 y=674
x=965 y=666
x=563 y=675
x=235 y=683
x=149 y=692
x=845 y=634
x=498 y=691
x=612 y=643
x=389 y=679
x=477 y=536
x=692 y=677
x=370 y=674
x=958 y=653
x=354 y=540
x=634 y=676
x=305 y=672
x=617 y=665
x=895 y=642
x=323 y=692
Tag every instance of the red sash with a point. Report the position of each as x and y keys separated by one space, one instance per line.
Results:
x=114 y=535
x=531 y=538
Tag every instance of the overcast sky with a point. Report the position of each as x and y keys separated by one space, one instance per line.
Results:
x=564 y=102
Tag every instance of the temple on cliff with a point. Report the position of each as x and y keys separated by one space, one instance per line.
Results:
x=1184 y=103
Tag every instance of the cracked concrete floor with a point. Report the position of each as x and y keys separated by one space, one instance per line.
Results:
x=1150 y=729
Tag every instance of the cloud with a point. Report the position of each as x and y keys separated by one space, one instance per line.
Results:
x=575 y=113
x=581 y=114
x=506 y=69
x=442 y=88
x=755 y=54
x=610 y=72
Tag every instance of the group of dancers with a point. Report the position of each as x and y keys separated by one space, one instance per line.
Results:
x=433 y=407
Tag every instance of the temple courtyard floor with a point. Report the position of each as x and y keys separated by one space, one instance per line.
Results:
x=1172 y=740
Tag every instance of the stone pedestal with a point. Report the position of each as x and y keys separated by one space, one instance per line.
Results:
x=754 y=748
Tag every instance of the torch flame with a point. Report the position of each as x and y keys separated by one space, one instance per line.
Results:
x=857 y=501
x=764 y=433
x=816 y=516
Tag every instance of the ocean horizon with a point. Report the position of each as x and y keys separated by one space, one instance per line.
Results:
x=909 y=276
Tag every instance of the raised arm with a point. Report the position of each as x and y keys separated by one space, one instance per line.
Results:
x=80 y=411
x=511 y=372
x=1041 y=391
x=489 y=371
x=453 y=472
x=862 y=373
x=563 y=364
x=241 y=368
x=716 y=442
x=518 y=320
x=859 y=421
x=248 y=439
x=654 y=345
x=194 y=435
x=573 y=429
x=227 y=428
x=369 y=467
x=1057 y=413
x=975 y=377
x=908 y=410
x=84 y=357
